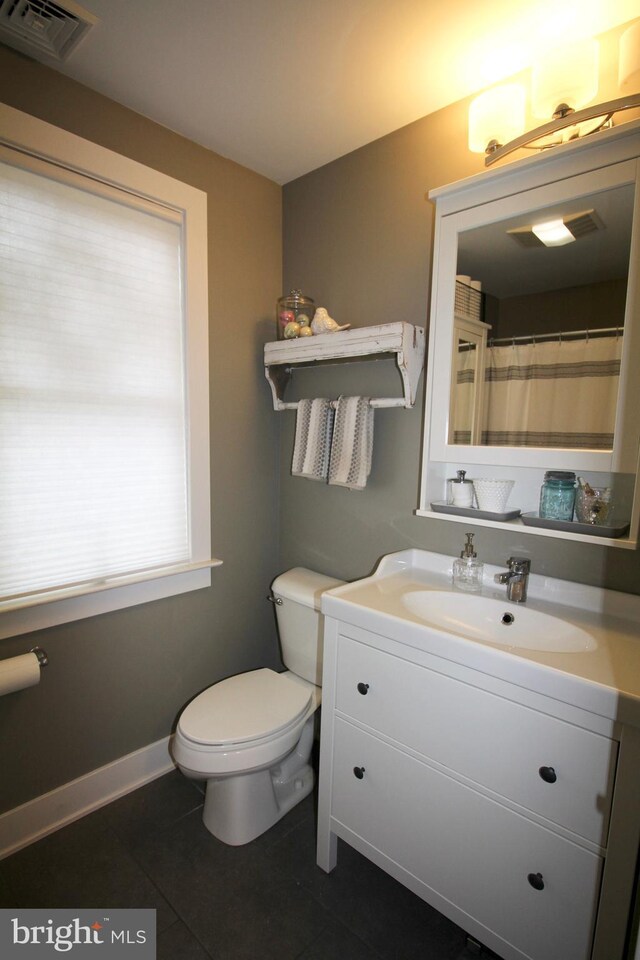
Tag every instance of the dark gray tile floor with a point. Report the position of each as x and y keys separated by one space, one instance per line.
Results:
x=263 y=901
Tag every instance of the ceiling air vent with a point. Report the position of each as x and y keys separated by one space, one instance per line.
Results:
x=578 y=224
x=525 y=237
x=42 y=29
x=585 y=222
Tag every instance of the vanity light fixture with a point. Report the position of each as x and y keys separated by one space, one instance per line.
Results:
x=499 y=110
x=629 y=60
x=563 y=83
x=562 y=76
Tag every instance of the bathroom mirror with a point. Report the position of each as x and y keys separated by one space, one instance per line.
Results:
x=553 y=311
x=537 y=301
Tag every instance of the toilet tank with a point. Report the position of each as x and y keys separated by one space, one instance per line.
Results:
x=300 y=622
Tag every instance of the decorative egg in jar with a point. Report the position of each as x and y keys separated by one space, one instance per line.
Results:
x=294 y=308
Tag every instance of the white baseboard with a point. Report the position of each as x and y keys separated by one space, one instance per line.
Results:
x=51 y=811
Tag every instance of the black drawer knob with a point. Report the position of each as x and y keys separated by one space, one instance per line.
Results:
x=548 y=774
x=358 y=772
x=536 y=881
x=363 y=688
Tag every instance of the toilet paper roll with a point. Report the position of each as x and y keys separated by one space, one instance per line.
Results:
x=17 y=673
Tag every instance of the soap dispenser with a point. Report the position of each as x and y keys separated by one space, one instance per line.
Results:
x=467 y=570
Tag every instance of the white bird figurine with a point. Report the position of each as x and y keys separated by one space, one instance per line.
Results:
x=323 y=323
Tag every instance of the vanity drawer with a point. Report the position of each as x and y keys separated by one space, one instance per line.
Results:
x=466 y=848
x=508 y=748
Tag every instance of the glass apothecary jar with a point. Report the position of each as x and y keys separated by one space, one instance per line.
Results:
x=294 y=308
x=557 y=495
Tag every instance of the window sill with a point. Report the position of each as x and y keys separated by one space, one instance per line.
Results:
x=39 y=611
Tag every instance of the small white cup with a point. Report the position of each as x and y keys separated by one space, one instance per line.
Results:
x=492 y=495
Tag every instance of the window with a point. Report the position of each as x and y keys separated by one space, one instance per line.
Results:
x=104 y=489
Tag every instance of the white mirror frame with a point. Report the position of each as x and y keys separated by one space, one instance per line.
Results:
x=603 y=161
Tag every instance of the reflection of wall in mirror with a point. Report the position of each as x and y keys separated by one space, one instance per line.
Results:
x=552 y=311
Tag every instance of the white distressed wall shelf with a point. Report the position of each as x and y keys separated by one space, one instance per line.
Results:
x=404 y=341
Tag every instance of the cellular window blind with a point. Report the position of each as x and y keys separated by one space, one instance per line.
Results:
x=93 y=416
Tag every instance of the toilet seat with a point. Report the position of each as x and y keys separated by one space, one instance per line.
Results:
x=243 y=709
x=276 y=705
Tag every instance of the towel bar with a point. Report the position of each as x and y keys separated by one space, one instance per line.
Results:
x=374 y=402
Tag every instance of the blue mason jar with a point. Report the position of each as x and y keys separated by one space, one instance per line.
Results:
x=557 y=495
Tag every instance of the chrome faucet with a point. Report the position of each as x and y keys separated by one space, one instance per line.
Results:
x=516 y=578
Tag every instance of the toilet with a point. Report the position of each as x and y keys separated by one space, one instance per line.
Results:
x=250 y=736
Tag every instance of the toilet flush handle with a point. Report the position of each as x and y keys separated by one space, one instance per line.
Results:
x=277 y=600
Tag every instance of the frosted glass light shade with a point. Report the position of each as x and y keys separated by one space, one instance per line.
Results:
x=565 y=75
x=497 y=114
x=629 y=59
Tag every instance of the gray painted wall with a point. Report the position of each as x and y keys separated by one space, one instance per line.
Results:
x=116 y=682
x=358 y=238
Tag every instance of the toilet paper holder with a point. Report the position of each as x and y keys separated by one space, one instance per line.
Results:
x=41 y=654
x=22 y=671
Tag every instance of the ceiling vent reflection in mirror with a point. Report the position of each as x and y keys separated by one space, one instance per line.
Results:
x=576 y=224
x=42 y=29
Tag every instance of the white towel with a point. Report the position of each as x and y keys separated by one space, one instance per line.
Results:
x=314 y=424
x=352 y=443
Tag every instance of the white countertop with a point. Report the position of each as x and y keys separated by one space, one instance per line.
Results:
x=604 y=680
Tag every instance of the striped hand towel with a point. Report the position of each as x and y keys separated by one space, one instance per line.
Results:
x=312 y=443
x=352 y=443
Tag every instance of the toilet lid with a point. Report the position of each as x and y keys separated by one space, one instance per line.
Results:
x=246 y=707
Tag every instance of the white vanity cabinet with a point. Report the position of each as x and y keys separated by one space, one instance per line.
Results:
x=511 y=750
x=506 y=809
x=467 y=849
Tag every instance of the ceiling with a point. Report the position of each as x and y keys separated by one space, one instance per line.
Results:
x=285 y=86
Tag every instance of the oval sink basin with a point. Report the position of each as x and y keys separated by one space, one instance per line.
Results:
x=495 y=621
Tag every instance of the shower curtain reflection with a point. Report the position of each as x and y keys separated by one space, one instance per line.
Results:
x=552 y=393
x=464 y=398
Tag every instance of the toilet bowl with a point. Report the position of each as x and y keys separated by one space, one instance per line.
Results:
x=251 y=736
